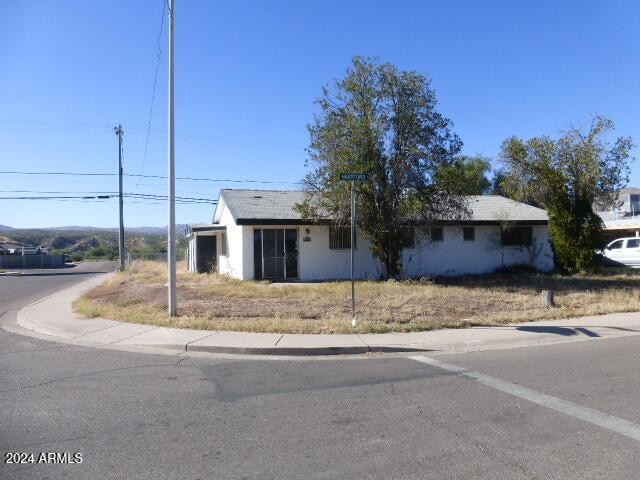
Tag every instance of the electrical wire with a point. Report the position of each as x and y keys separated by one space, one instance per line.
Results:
x=153 y=91
x=160 y=177
x=143 y=129
x=96 y=196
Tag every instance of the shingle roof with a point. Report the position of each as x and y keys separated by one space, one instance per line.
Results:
x=250 y=206
x=263 y=204
x=487 y=208
x=202 y=227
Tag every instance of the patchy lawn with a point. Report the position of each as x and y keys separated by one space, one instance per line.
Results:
x=207 y=301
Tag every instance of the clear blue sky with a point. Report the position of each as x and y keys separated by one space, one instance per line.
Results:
x=247 y=75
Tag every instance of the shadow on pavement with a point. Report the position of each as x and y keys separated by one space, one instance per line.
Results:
x=624 y=329
x=586 y=331
x=67 y=269
x=60 y=274
x=564 y=331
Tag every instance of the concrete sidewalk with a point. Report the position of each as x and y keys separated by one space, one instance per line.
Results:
x=53 y=317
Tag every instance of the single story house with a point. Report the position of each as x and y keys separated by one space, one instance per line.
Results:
x=257 y=234
x=622 y=219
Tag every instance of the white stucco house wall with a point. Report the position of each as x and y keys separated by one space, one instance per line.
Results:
x=257 y=234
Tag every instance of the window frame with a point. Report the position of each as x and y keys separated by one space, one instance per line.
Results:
x=336 y=238
x=515 y=239
x=465 y=232
x=408 y=231
x=223 y=244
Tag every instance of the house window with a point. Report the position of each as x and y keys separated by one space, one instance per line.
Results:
x=340 y=238
x=437 y=234
x=223 y=243
x=468 y=234
x=517 y=236
x=408 y=235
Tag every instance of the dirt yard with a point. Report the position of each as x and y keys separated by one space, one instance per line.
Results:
x=206 y=301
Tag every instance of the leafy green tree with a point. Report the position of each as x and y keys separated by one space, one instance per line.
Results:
x=465 y=175
x=498 y=186
x=383 y=122
x=567 y=176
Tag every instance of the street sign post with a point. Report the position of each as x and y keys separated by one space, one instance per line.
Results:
x=353 y=177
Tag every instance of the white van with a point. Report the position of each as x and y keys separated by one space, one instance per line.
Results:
x=623 y=251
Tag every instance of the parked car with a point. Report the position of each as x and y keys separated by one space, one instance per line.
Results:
x=623 y=251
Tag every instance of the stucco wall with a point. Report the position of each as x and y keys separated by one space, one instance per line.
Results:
x=454 y=256
x=318 y=262
x=193 y=253
x=231 y=263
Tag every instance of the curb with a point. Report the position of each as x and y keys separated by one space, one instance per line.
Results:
x=304 y=351
x=67 y=327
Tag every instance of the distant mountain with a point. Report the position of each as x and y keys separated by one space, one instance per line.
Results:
x=73 y=228
x=180 y=229
x=82 y=239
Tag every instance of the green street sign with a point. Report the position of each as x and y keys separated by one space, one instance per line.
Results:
x=354 y=177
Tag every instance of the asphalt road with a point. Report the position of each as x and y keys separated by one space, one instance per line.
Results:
x=150 y=416
x=33 y=284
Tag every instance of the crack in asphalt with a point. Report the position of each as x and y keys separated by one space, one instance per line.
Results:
x=231 y=395
x=430 y=416
x=495 y=457
x=97 y=372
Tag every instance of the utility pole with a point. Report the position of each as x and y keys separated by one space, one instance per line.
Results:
x=171 y=245
x=119 y=132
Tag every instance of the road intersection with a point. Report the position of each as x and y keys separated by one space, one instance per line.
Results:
x=565 y=408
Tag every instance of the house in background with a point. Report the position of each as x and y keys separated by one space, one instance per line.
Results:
x=622 y=219
x=257 y=234
x=11 y=247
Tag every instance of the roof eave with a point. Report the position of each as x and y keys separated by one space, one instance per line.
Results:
x=297 y=221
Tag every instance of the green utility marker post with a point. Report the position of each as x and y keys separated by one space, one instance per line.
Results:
x=353 y=177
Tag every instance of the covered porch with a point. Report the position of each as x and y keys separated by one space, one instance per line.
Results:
x=203 y=246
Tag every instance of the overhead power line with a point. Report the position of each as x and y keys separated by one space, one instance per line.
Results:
x=102 y=196
x=60 y=173
x=65 y=197
x=161 y=177
x=153 y=91
x=139 y=129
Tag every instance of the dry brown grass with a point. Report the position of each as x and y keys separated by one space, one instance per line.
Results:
x=212 y=302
